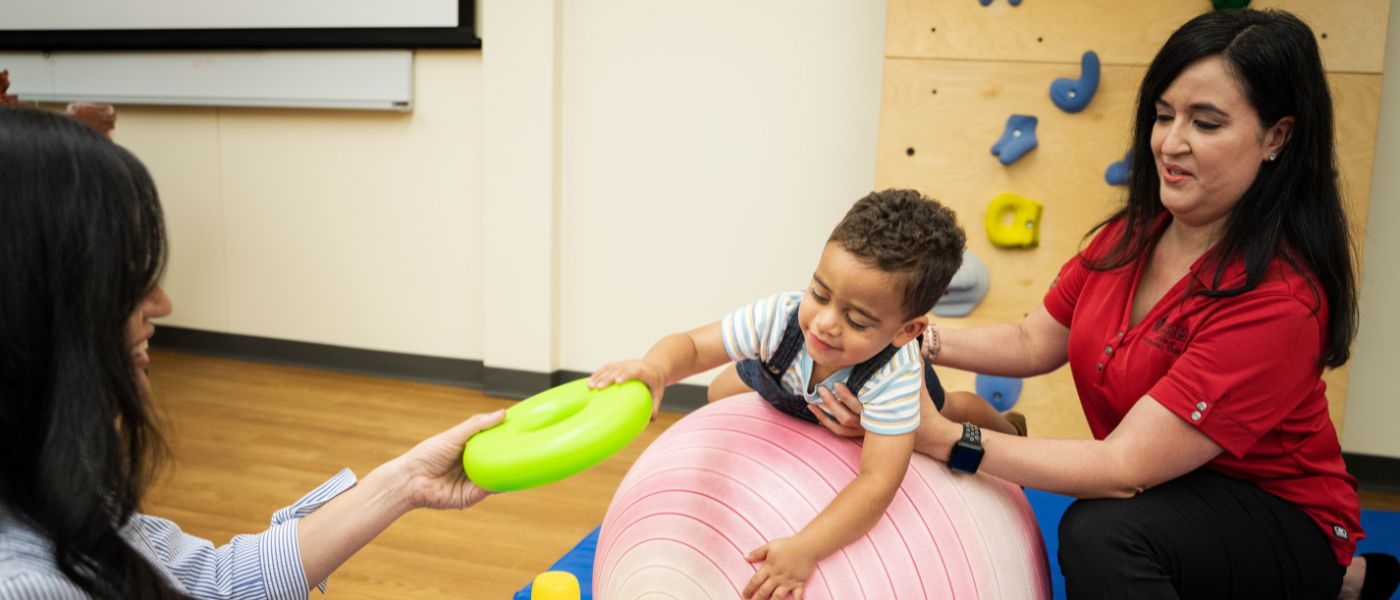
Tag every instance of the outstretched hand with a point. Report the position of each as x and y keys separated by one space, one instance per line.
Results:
x=627 y=370
x=433 y=469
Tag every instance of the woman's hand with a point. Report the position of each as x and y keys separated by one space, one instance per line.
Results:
x=428 y=476
x=432 y=471
x=839 y=412
x=934 y=436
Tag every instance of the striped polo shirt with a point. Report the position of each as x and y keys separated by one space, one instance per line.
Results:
x=889 y=400
x=262 y=565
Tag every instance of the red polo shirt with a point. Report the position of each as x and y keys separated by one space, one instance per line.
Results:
x=1242 y=370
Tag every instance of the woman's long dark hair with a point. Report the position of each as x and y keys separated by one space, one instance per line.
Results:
x=81 y=242
x=1293 y=210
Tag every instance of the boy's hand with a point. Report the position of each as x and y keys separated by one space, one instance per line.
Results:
x=786 y=567
x=627 y=370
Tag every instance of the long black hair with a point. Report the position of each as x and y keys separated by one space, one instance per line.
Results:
x=1293 y=209
x=81 y=243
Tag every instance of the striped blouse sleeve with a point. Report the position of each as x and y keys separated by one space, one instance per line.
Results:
x=263 y=565
x=754 y=331
x=50 y=585
x=890 y=400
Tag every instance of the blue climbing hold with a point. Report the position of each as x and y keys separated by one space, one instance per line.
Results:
x=1117 y=173
x=1017 y=140
x=1072 y=95
x=989 y=2
x=1000 y=392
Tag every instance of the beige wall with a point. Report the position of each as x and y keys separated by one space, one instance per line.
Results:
x=352 y=228
x=707 y=148
x=521 y=184
x=598 y=175
x=1372 y=409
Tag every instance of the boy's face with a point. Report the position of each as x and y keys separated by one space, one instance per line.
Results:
x=852 y=310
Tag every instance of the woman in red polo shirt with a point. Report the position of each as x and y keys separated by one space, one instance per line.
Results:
x=1197 y=324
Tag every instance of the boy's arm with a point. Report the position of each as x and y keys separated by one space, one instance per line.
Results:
x=850 y=515
x=670 y=360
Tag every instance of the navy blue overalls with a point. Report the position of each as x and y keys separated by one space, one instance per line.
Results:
x=765 y=377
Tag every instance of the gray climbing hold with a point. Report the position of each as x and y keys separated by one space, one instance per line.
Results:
x=966 y=290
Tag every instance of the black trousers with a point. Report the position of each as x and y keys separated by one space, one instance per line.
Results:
x=1202 y=535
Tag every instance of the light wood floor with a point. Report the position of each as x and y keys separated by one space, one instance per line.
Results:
x=249 y=438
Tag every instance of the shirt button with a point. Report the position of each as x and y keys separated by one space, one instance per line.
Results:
x=1196 y=415
x=1100 y=366
x=1120 y=334
x=1200 y=406
x=1108 y=350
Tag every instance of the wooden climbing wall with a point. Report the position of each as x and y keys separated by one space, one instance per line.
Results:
x=955 y=70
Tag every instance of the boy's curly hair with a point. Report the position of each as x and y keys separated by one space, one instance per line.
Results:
x=903 y=232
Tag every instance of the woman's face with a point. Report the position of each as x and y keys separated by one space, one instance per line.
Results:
x=139 y=329
x=1208 y=144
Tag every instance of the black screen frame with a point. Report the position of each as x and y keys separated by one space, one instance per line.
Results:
x=461 y=36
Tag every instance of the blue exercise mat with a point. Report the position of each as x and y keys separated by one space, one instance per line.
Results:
x=1382 y=535
x=578 y=561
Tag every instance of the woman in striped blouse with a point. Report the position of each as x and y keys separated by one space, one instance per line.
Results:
x=82 y=245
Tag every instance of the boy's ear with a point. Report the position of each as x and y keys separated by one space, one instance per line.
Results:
x=910 y=330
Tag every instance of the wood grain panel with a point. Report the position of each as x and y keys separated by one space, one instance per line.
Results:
x=950 y=113
x=1351 y=34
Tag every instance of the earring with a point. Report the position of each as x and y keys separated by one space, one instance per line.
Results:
x=1272 y=157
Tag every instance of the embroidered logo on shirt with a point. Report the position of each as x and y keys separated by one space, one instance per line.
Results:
x=1169 y=337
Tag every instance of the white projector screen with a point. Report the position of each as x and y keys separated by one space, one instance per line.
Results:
x=226 y=24
x=224 y=14
x=378 y=79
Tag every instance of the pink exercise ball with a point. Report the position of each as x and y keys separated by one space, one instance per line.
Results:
x=734 y=474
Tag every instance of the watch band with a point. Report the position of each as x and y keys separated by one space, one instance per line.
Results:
x=972 y=433
x=932 y=343
x=966 y=454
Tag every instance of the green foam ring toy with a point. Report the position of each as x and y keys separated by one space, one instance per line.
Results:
x=1024 y=230
x=557 y=433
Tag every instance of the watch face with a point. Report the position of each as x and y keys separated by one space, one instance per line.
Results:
x=965 y=457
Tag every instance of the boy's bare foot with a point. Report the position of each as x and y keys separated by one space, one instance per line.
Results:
x=1352 y=581
x=1018 y=421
